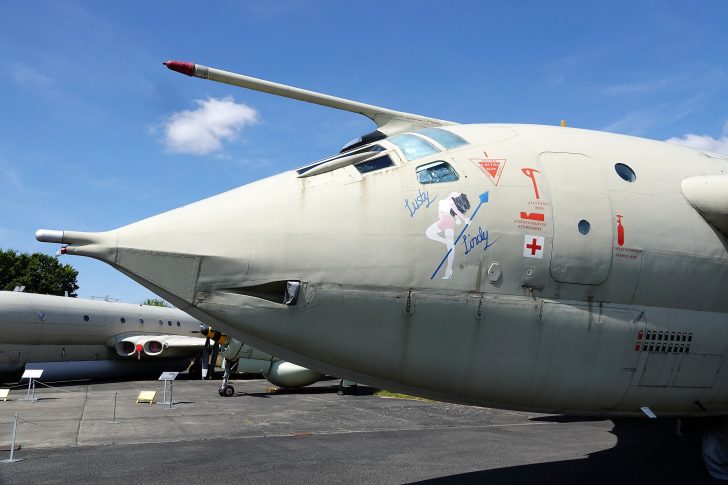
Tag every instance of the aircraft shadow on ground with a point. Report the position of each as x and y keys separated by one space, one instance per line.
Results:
x=361 y=391
x=559 y=418
x=646 y=452
x=183 y=376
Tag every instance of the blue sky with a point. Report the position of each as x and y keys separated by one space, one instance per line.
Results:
x=95 y=133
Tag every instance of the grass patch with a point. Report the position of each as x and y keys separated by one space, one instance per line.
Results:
x=399 y=395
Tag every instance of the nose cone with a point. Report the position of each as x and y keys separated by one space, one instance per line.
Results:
x=175 y=252
x=99 y=245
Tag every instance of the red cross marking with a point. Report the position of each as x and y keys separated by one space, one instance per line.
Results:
x=533 y=247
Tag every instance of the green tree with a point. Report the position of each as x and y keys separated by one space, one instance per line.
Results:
x=38 y=272
x=155 y=302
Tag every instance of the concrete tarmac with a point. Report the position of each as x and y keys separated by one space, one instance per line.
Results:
x=314 y=435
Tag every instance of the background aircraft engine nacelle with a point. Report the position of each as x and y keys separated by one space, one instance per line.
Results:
x=126 y=347
x=153 y=348
x=137 y=346
x=286 y=374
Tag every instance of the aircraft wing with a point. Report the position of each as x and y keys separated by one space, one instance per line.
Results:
x=389 y=122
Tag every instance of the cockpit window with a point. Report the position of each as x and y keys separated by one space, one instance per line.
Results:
x=412 y=146
x=369 y=149
x=363 y=140
x=436 y=172
x=374 y=164
x=445 y=138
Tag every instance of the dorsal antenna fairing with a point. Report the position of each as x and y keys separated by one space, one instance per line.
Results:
x=389 y=122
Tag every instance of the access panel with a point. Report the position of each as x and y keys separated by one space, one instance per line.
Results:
x=582 y=243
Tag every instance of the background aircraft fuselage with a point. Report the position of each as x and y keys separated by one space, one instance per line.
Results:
x=71 y=338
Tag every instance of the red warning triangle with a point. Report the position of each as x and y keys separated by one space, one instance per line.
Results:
x=491 y=167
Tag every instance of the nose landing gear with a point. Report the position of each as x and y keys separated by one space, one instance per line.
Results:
x=226 y=389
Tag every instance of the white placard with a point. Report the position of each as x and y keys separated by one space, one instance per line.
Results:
x=32 y=374
x=168 y=376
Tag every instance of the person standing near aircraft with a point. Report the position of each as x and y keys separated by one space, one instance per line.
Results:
x=451 y=211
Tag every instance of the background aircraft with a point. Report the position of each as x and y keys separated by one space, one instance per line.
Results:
x=73 y=338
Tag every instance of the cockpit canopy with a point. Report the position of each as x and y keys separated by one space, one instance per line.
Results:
x=376 y=156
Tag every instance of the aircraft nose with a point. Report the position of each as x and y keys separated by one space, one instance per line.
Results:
x=159 y=253
x=187 y=250
x=49 y=235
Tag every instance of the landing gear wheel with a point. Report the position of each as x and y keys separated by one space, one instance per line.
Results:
x=226 y=391
x=347 y=388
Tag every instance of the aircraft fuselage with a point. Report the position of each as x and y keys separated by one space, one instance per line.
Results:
x=572 y=290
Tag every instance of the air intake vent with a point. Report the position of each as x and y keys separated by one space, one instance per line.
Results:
x=282 y=292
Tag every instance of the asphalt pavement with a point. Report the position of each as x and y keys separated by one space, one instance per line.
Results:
x=74 y=434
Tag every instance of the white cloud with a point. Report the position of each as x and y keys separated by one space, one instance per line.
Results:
x=704 y=142
x=14 y=178
x=203 y=130
x=639 y=88
x=11 y=176
x=642 y=120
x=28 y=76
x=557 y=70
